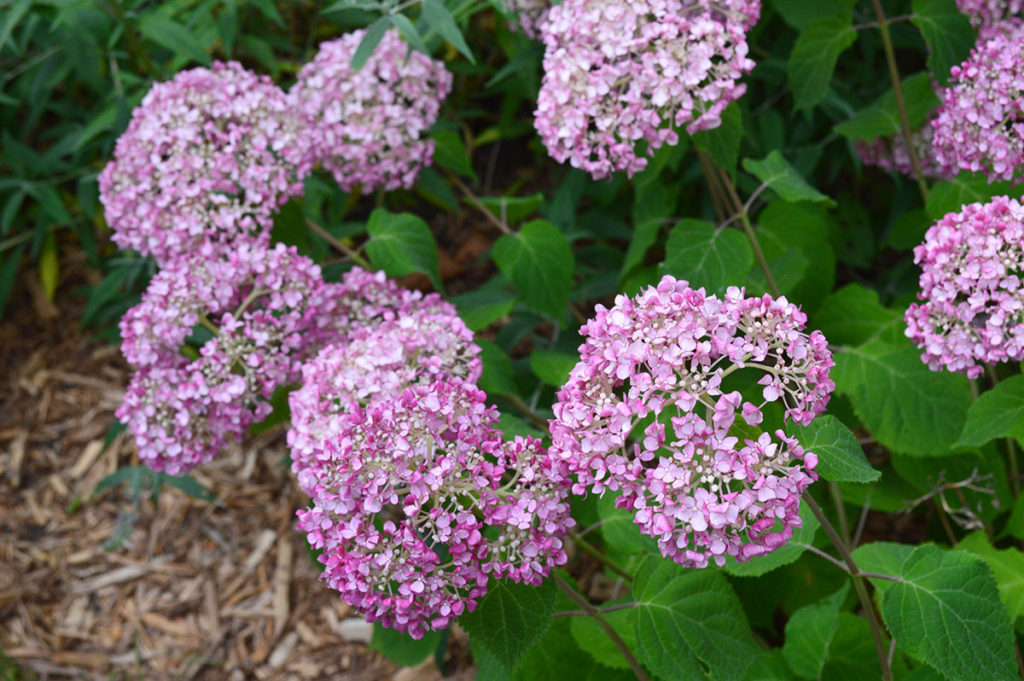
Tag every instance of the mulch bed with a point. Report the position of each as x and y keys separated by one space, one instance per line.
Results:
x=197 y=590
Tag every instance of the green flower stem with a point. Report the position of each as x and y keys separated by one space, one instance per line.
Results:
x=476 y=203
x=602 y=611
x=579 y=600
x=748 y=229
x=837 y=499
x=531 y=416
x=1011 y=446
x=857 y=577
x=339 y=244
x=588 y=548
x=208 y=325
x=894 y=75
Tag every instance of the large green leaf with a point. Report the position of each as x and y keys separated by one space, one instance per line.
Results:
x=163 y=30
x=689 y=623
x=906 y=406
x=722 y=144
x=784 y=555
x=814 y=57
x=441 y=20
x=707 y=257
x=401 y=648
x=840 y=457
x=538 y=261
x=621 y=534
x=510 y=619
x=401 y=243
x=556 y=657
x=809 y=633
x=1007 y=567
x=776 y=172
x=882 y=117
x=799 y=13
x=998 y=412
x=948 y=33
x=592 y=638
x=949 y=196
x=945 y=611
x=498 y=377
x=853 y=315
x=551 y=366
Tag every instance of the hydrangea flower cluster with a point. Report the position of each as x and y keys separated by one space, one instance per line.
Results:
x=265 y=308
x=418 y=501
x=365 y=126
x=972 y=309
x=618 y=73
x=988 y=12
x=208 y=155
x=413 y=340
x=980 y=125
x=527 y=15
x=890 y=154
x=647 y=411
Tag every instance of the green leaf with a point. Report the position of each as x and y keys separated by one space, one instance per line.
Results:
x=722 y=144
x=776 y=172
x=998 y=412
x=402 y=649
x=620 y=532
x=374 y=33
x=165 y=31
x=133 y=475
x=882 y=117
x=12 y=16
x=906 y=406
x=49 y=267
x=840 y=457
x=784 y=555
x=945 y=611
x=853 y=315
x=498 y=377
x=556 y=657
x=440 y=19
x=408 y=31
x=484 y=306
x=809 y=633
x=510 y=619
x=689 y=623
x=852 y=655
x=187 y=485
x=1007 y=567
x=883 y=558
x=450 y=153
x=705 y=256
x=401 y=243
x=552 y=367
x=814 y=57
x=644 y=236
x=540 y=264
x=799 y=13
x=513 y=209
x=950 y=196
x=948 y=33
x=9 y=266
x=1015 y=525
x=592 y=638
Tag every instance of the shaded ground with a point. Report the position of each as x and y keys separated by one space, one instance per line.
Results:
x=198 y=590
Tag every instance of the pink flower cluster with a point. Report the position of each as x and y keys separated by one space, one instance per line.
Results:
x=264 y=307
x=988 y=12
x=890 y=154
x=647 y=411
x=618 y=73
x=418 y=500
x=972 y=309
x=527 y=15
x=208 y=155
x=365 y=126
x=980 y=125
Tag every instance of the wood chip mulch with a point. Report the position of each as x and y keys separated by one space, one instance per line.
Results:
x=197 y=590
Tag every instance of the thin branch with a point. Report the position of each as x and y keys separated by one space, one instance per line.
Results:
x=472 y=198
x=579 y=600
x=531 y=416
x=603 y=611
x=588 y=548
x=338 y=244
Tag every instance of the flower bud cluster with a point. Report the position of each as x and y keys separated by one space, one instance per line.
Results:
x=365 y=126
x=208 y=156
x=890 y=154
x=988 y=12
x=620 y=73
x=972 y=309
x=980 y=125
x=647 y=411
x=526 y=15
x=418 y=500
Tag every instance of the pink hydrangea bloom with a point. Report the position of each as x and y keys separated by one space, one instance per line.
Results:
x=526 y=15
x=422 y=341
x=980 y=125
x=401 y=505
x=988 y=12
x=646 y=411
x=618 y=73
x=208 y=155
x=366 y=126
x=972 y=309
x=270 y=309
x=890 y=154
